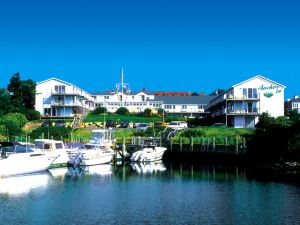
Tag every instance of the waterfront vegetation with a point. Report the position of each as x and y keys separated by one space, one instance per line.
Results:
x=135 y=118
x=220 y=135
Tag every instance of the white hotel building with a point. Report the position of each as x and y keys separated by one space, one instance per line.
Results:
x=57 y=98
x=241 y=104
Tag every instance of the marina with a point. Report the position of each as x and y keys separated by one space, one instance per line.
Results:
x=155 y=193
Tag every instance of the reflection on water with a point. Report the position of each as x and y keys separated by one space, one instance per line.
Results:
x=23 y=184
x=97 y=170
x=148 y=168
x=152 y=193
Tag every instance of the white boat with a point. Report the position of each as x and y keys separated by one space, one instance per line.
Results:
x=20 y=162
x=150 y=152
x=97 y=151
x=53 y=148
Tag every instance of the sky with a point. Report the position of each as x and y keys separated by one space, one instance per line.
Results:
x=162 y=45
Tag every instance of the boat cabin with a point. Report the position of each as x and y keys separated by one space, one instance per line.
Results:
x=46 y=144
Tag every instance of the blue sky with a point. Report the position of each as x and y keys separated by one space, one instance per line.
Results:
x=162 y=45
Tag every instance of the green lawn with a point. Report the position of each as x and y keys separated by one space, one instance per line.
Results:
x=136 y=119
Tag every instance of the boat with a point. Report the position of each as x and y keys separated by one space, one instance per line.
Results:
x=53 y=148
x=17 y=160
x=97 y=151
x=149 y=152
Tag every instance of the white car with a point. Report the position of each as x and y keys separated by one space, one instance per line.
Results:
x=178 y=125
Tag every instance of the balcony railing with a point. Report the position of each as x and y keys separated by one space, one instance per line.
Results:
x=242 y=98
x=249 y=111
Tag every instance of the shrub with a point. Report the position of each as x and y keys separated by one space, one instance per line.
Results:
x=147 y=112
x=55 y=132
x=13 y=122
x=122 y=111
x=99 y=110
x=32 y=114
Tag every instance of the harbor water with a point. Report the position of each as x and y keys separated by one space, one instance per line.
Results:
x=148 y=194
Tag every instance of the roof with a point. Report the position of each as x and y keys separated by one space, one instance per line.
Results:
x=260 y=77
x=199 y=100
x=62 y=81
x=252 y=78
x=296 y=100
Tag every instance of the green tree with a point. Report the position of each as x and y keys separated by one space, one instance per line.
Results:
x=55 y=132
x=122 y=111
x=5 y=104
x=195 y=94
x=13 y=122
x=147 y=112
x=161 y=112
x=28 y=93
x=14 y=88
x=217 y=92
x=99 y=110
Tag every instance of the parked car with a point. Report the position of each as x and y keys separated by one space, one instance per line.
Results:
x=124 y=124
x=46 y=123
x=219 y=125
x=110 y=123
x=60 y=123
x=178 y=125
x=142 y=126
x=159 y=124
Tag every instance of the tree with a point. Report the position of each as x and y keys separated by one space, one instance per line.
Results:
x=122 y=111
x=161 y=112
x=28 y=93
x=195 y=94
x=147 y=112
x=99 y=110
x=217 y=92
x=5 y=104
x=13 y=122
x=14 y=88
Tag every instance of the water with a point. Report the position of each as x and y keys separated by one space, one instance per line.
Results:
x=152 y=194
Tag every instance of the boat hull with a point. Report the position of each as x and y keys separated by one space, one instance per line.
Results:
x=24 y=163
x=148 y=154
x=91 y=157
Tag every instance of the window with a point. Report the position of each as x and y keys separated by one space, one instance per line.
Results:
x=245 y=92
x=106 y=97
x=250 y=93
x=60 y=89
x=173 y=106
x=58 y=146
x=184 y=106
x=132 y=97
x=200 y=107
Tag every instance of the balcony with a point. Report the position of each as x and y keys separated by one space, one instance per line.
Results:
x=242 y=98
x=70 y=104
x=249 y=111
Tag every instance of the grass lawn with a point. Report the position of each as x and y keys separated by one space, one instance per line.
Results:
x=119 y=133
x=136 y=119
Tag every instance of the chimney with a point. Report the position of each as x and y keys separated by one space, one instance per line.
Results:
x=288 y=99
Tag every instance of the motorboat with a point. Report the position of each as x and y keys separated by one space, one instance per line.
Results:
x=53 y=148
x=149 y=152
x=97 y=151
x=16 y=160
